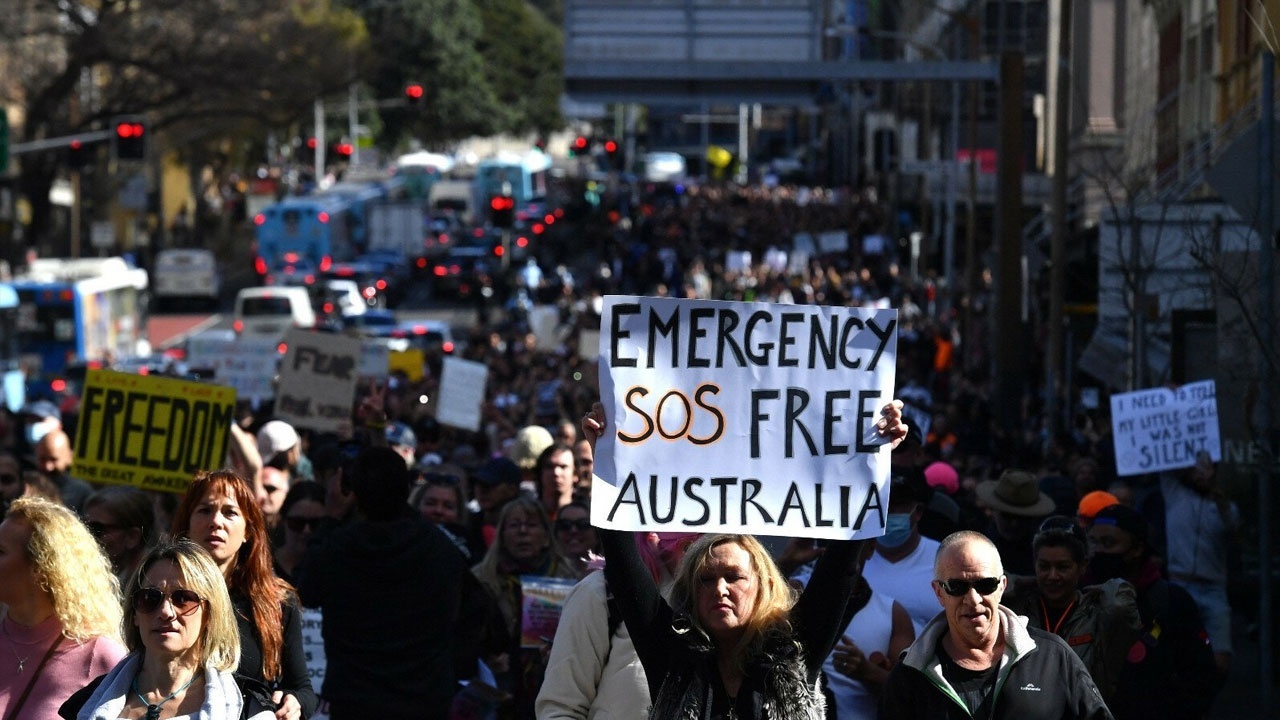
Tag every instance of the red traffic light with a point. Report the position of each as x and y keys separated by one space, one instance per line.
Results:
x=311 y=143
x=500 y=202
x=130 y=130
x=414 y=91
x=344 y=149
x=76 y=144
x=580 y=143
x=610 y=146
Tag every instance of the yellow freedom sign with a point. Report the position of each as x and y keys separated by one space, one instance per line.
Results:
x=154 y=433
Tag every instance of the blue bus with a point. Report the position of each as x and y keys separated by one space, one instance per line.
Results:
x=90 y=310
x=317 y=228
x=522 y=177
x=14 y=381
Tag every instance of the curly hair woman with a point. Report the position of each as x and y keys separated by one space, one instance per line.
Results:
x=219 y=513
x=61 y=624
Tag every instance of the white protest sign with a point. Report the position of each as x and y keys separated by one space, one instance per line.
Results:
x=375 y=360
x=318 y=381
x=313 y=651
x=743 y=417
x=461 y=393
x=833 y=241
x=248 y=365
x=1162 y=429
x=544 y=321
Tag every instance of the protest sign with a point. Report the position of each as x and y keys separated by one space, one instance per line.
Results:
x=318 y=381
x=743 y=417
x=313 y=653
x=410 y=362
x=461 y=393
x=375 y=361
x=544 y=322
x=541 y=602
x=1163 y=429
x=151 y=432
x=247 y=364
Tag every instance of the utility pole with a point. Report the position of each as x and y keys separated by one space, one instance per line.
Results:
x=1010 y=367
x=1058 y=240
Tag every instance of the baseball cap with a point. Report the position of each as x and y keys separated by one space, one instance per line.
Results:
x=498 y=471
x=276 y=437
x=400 y=434
x=1093 y=502
x=529 y=444
x=942 y=476
x=41 y=409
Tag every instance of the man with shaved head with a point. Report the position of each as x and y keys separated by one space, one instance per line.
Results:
x=978 y=660
x=53 y=460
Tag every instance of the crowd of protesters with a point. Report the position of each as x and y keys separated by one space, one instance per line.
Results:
x=437 y=525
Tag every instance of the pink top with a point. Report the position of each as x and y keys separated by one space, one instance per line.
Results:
x=70 y=668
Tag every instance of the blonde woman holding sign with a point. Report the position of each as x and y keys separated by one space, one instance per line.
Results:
x=735 y=642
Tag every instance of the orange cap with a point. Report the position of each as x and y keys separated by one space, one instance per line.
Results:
x=1092 y=502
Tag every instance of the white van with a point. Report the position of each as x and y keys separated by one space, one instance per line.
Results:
x=183 y=276
x=269 y=312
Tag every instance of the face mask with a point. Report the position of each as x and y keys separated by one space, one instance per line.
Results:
x=897 y=530
x=38 y=430
x=1106 y=566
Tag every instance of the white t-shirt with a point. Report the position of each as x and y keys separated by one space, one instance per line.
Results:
x=909 y=581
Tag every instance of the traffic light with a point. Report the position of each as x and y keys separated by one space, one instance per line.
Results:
x=77 y=154
x=578 y=147
x=414 y=92
x=613 y=153
x=129 y=141
x=502 y=211
x=342 y=150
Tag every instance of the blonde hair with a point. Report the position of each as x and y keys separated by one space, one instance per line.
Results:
x=774 y=596
x=70 y=566
x=219 y=635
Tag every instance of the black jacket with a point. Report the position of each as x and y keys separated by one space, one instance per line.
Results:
x=1040 y=679
x=390 y=595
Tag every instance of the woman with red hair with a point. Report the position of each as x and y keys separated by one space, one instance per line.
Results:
x=220 y=514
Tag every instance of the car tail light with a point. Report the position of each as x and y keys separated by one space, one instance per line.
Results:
x=260 y=265
x=238 y=326
x=447 y=347
x=439 y=271
x=326 y=262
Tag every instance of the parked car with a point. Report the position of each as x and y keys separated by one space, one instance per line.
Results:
x=186 y=277
x=270 y=311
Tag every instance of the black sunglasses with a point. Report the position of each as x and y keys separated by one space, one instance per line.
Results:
x=184 y=601
x=582 y=525
x=298 y=524
x=959 y=588
x=98 y=529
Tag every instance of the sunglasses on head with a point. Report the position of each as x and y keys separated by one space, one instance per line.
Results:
x=581 y=525
x=298 y=524
x=184 y=601
x=958 y=588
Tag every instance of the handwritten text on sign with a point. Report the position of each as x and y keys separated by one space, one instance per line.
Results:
x=743 y=417
x=1163 y=429
x=151 y=432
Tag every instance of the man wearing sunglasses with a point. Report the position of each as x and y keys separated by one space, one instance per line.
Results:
x=977 y=659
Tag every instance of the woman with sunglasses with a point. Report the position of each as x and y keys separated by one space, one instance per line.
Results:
x=1099 y=622
x=219 y=513
x=183 y=643
x=59 y=609
x=576 y=536
x=303 y=511
x=123 y=520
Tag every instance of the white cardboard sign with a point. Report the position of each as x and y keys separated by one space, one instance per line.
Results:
x=318 y=381
x=1162 y=429
x=461 y=393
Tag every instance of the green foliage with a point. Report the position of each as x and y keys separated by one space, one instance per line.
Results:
x=524 y=63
